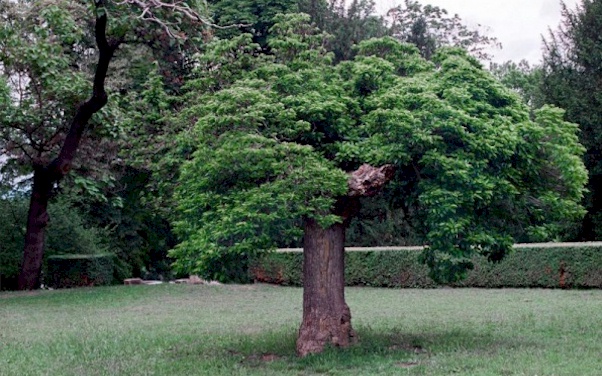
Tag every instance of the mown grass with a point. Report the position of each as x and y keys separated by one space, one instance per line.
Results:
x=251 y=330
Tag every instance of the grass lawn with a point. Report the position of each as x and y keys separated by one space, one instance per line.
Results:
x=251 y=330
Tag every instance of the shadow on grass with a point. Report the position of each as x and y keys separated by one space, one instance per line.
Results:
x=376 y=348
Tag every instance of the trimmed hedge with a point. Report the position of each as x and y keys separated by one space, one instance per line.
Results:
x=80 y=270
x=564 y=266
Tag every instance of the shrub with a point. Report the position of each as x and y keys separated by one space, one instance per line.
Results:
x=80 y=270
x=578 y=265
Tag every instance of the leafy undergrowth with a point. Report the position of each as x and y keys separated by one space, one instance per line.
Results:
x=250 y=330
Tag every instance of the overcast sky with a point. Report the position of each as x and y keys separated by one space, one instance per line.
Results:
x=517 y=24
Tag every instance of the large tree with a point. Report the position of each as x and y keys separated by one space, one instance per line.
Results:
x=289 y=144
x=54 y=54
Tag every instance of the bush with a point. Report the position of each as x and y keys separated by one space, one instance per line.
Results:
x=80 y=270
x=68 y=234
x=578 y=265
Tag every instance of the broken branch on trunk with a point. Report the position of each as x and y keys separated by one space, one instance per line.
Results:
x=367 y=180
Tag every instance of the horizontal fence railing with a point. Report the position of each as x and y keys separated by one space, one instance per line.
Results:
x=419 y=248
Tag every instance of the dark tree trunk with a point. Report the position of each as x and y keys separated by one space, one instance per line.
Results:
x=37 y=219
x=45 y=176
x=588 y=231
x=326 y=316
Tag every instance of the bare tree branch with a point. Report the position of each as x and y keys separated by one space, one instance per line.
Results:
x=148 y=7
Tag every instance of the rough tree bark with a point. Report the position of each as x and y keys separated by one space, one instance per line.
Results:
x=326 y=316
x=37 y=219
x=46 y=176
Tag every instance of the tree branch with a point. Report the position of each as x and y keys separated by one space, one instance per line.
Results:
x=61 y=165
x=177 y=6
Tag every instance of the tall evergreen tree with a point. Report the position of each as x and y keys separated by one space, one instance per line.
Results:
x=254 y=16
x=350 y=22
x=572 y=79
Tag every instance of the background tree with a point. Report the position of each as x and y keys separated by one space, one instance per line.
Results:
x=289 y=146
x=430 y=28
x=572 y=79
x=146 y=177
x=254 y=16
x=349 y=23
x=523 y=78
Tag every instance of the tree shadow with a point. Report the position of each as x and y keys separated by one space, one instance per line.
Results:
x=395 y=347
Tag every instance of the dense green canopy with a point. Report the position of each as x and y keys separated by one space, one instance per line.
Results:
x=275 y=142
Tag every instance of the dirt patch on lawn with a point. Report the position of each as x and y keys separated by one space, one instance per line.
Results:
x=254 y=359
x=407 y=364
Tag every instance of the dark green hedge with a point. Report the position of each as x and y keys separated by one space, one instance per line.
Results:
x=558 y=267
x=80 y=270
x=535 y=266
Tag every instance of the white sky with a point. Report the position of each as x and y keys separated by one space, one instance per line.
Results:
x=517 y=24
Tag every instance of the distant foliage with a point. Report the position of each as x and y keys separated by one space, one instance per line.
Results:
x=12 y=233
x=348 y=23
x=256 y=16
x=523 y=78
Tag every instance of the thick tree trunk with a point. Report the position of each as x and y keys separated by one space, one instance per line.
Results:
x=326 y=316
x=45 y=175
x=37 y=219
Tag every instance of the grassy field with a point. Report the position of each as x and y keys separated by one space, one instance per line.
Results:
x=250 y=330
